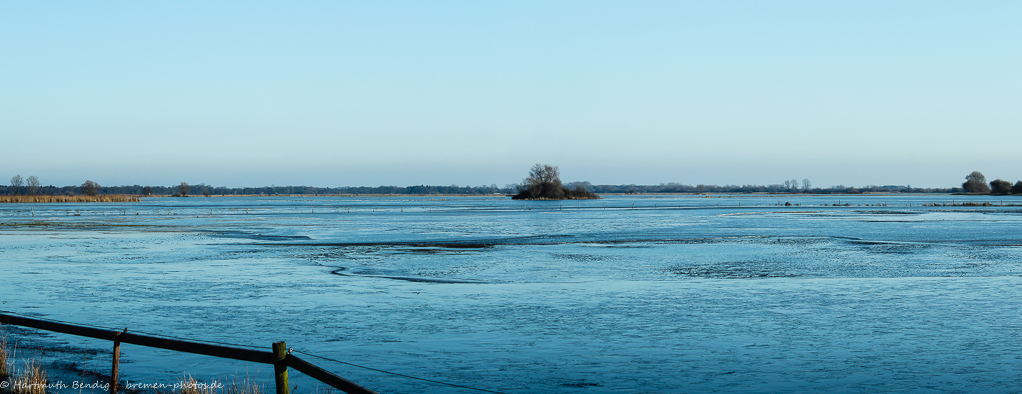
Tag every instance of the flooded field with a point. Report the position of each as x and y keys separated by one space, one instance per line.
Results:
x=665 y=294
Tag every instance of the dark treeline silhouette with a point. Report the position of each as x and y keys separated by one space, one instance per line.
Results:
x=537 y=183
x=976 y=183
x=663 y=188
x=680 y=188
x=203 y=189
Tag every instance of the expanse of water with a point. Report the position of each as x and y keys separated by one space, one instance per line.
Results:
x=625 y=294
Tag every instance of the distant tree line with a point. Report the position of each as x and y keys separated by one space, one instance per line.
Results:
x=777 y=188
x=19 y=186
x=31 y=185
x=976 y=182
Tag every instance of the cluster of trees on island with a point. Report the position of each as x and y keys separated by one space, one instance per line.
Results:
x=976 y=183
x=543 y=182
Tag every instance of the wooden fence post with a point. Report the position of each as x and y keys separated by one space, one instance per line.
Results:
x=117 y=362
x=280 y=366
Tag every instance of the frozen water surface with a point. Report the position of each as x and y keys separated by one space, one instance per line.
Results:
x=625 y=294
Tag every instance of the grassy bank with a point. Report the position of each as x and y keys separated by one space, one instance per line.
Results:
x=45 y=199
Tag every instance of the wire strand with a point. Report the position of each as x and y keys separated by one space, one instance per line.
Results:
x=397 y=374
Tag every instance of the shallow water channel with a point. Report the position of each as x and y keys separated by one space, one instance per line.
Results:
x=664 y=294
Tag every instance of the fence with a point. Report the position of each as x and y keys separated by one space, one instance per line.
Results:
x=279 y=357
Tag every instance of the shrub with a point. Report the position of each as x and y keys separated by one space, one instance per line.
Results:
x=580 y=193
x=999 y=186
x=1017 y=189
x=90 y=188
x=976 y=183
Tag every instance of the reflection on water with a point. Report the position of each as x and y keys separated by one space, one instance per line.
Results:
x=624 y=294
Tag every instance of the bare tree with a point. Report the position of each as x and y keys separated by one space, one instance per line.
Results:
x=544 y=181
x=976 y=183
x=33 y=184
x=806 y=185
x=184 y=188
x=90 y=188
x=543 y=173
x=16 y=183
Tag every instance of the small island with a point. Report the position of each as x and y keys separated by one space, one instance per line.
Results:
x=976 y=183
x=544 y=183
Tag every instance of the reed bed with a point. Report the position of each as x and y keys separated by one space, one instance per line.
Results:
x=188 y=385
x=31 y=380
x=51 y=199
x=243 y=387
x=972 y=204
x=191 y=386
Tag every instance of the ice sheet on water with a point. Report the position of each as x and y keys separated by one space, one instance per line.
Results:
x=673 y=294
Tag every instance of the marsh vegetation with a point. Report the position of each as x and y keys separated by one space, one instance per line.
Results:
x=30 y=379
x=46 y=199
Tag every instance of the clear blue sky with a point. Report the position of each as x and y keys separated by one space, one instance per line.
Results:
x=427 y=92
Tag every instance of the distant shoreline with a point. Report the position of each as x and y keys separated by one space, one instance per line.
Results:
x=329 y=195
x=132 y=198
x=44 y=199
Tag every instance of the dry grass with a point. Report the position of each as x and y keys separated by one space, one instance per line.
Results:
x=103 y=198
x=243 y=387
x=191 y=386
x=5 y=356
x=188 y=385
x=31 y=380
